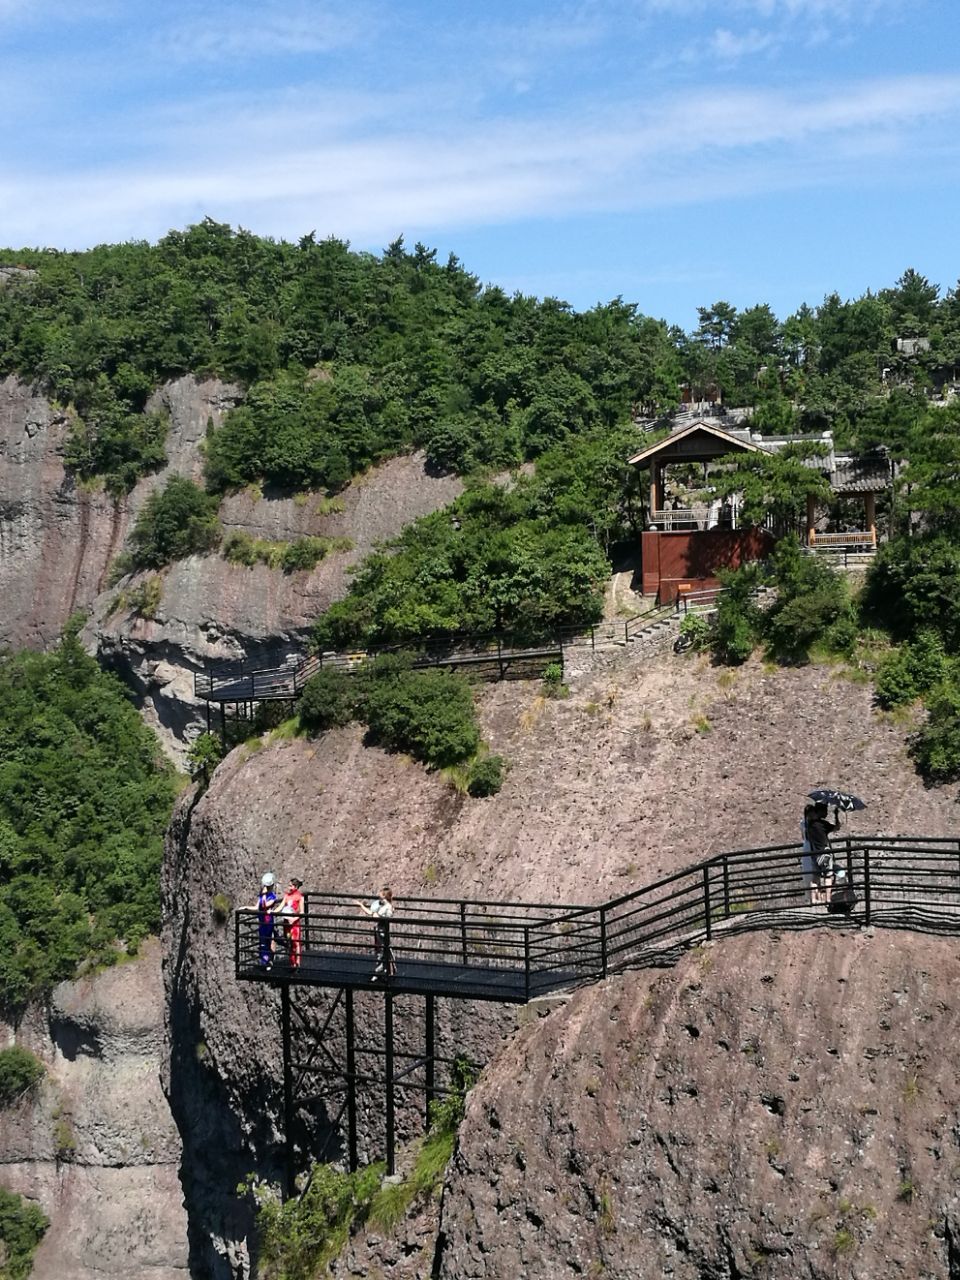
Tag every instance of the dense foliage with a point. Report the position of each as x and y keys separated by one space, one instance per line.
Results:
x=524 y=559
x=84 y=800
x=913 y=590
x=347 y=357
x=176 y=521
x=429 y=714
x=20 y=1070
x=22 y=1227
x=811 y=607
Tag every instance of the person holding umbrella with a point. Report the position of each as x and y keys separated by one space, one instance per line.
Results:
x=818 y=831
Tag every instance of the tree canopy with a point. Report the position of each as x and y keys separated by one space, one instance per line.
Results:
x=84 y=801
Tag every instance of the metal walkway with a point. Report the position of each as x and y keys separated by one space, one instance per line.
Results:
x=512 y=953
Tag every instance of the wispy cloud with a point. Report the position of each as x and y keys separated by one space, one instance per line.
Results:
x=267 y=30
x=368 y=181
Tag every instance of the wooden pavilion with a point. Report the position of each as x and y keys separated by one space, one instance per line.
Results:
x=684 y=544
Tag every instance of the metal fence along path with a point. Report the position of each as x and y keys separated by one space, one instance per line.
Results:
x=508 y=951
x=513 y=953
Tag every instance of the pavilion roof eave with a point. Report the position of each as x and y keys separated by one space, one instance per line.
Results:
x=733 y=444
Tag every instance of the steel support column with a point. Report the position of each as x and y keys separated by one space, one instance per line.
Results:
x=430 y=1066
x=288 y=1163
x=388 y=1046
x=351 y=1086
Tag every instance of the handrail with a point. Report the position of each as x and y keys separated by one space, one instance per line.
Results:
x=899 y=880
x=432 y=649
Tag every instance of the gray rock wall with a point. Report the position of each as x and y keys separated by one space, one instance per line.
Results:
x=58 y=540
x=775 y=1106
x=95 y=1145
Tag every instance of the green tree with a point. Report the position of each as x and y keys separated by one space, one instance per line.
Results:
x=773 y=486
x=176 y=521
x=22 y=1227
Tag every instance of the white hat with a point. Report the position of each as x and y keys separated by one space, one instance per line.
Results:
x=268 y=878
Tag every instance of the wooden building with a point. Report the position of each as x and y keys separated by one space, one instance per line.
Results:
x=687 y=541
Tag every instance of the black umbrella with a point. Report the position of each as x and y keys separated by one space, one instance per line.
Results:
x=837 y=800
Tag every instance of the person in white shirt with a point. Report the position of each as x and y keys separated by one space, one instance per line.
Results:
x=380 y=910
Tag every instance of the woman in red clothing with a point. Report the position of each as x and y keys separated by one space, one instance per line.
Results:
x=291 y=913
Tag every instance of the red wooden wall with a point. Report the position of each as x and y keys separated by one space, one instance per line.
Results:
x=667 y=559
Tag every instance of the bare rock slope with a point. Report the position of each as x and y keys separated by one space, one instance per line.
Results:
x=777 y=1106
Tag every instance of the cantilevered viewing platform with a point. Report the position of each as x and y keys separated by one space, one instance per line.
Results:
x=513 y=953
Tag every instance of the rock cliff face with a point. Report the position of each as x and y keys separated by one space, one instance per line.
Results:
x=95 y=1145
x=58 y=540
x=777 y=1105
x=608 y=789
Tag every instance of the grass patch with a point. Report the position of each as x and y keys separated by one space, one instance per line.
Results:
x=392 y=1202
x=843 y=1242
x=286 y=730
x=221 y=908
x=297 y=1240
x=912 y=1089
x=290 y=557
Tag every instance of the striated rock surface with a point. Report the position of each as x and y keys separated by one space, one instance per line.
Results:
x=777 y=1105
x=607 y=789
x=58 y=540
x=95 y=1145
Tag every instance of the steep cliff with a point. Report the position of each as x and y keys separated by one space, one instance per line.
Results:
x=58 y=540
x=608 y=788
x=95 y=1145
x=777 y=1105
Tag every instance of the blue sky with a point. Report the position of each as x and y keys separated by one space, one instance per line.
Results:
x=674 y=152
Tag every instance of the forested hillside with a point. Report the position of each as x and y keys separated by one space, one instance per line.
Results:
x=84 y=800
x=348 y=357
x=345 y=359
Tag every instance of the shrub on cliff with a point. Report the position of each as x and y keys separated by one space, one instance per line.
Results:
x=176 y=521
x=912 y=670
x=20 y=1070
x=22 y=1227
x=429 y=714
x=936 y=747
x=914 y=583
x=485 y=777
x=329 y=700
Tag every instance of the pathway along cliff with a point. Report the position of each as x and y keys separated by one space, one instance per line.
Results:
x=615 y=785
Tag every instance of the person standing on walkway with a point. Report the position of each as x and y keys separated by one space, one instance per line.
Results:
x=266 y=905
x=381 y=910
x=819 y=830
x=291 y=913
x=808 y=863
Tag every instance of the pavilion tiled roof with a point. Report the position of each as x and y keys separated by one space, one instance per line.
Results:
x=860 y=475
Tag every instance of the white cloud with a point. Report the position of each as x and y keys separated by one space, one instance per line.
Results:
x=267 y=30
x=730 y=47
x=353 y=174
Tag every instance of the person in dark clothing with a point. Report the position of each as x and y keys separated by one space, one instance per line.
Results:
x=819 y=830
x=266 y=905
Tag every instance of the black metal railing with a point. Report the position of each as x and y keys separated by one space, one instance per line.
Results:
x=900 y=881
x=245 y=680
